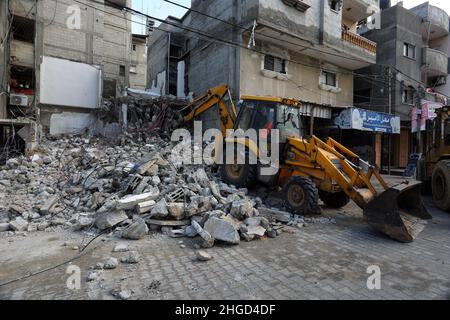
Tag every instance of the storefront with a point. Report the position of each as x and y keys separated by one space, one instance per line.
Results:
x=370 y=134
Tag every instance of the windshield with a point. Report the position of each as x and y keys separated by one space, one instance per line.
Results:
x=289 y=122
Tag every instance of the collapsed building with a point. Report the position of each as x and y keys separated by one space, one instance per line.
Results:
x=58 y=60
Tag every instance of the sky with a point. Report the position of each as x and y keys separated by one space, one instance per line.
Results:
x=161 y=9
x=444 y=4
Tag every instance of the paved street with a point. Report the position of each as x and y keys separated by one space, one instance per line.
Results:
x=317 y=262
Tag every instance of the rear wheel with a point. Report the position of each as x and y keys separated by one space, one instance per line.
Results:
x=239 y=175
x=441 y=185
x=334 y=200
x=301 y=196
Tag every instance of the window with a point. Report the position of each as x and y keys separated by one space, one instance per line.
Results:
x=133 y=47
x=109 y=88
x=408 y=96
x=122 y=71
x=409 y=51
x=447 y=132
x=275 y=64
x=23 y=29
x=328 y=78
x=335 y=5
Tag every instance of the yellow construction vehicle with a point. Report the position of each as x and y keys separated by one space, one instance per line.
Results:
x=310 y=168
x=434 y=167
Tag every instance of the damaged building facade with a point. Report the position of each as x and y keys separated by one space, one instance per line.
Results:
x=300 y=49
x=412 y=70
x=59 y=58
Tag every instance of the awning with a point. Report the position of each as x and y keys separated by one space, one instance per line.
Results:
x=367 y=120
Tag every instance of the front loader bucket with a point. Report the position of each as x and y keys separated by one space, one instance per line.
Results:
x=398 y=212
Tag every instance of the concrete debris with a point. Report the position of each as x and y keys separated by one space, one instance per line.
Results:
x=135 y=231
x=132 y=258
x=93 y=276
x=110 y=219
x=130 y=201
x=110 y=263
x=202 y=255
x=121 y=248
x=5 y=227
x=256 y=231
x=128 y=185
x=19 y=224
x=277 y=215
x=48 y=205
x=222 y=230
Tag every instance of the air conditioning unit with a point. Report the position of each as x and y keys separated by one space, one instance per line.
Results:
x=18 y=100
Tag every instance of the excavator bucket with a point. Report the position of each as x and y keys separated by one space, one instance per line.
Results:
x=398 y=212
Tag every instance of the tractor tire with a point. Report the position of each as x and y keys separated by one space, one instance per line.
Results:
x=441 y=185
x=335 y=200
x=240 y=175
x=301 y=196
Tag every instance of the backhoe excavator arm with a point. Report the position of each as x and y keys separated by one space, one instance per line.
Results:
x=214 y=96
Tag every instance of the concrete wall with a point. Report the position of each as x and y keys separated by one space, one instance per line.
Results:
x=138 y=80
x=301 y=82
x=398 y=25
x=3 y=56
x=104 y=36
x=442 y=44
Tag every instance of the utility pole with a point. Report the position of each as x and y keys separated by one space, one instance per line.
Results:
x=389 y=111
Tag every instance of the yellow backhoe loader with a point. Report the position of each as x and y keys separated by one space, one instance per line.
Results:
x=434 y=167
x=310 y=168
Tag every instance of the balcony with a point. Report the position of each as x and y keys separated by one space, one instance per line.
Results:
x=357 y=10
x=435 y=21
x=436 y=62
x=359 y=41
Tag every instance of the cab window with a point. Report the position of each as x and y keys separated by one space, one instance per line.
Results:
x=447 y=132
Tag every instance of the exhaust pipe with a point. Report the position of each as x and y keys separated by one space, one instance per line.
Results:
x=398 y=212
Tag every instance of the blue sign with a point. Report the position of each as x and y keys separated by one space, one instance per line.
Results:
x=367 y=120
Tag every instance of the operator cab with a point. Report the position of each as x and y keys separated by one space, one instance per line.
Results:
x=265 y=114
x=259 y=116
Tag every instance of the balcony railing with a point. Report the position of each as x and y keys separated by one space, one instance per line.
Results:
x=359 y=41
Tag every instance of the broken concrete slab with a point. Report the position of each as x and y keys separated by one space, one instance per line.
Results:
x=130 y=201
x=160 y=211
x=208 y=240
x=242 y=209
x=135 y=231
x=48 y=205
x=19 y=224
x=176 y=210
x=110 y=219
x=145 y=207
x=222 y=230
x=168 y=223
x=278 y=215
x=256 y=230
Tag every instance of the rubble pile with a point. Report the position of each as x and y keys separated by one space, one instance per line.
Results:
x=145 y=114
x=129 y=188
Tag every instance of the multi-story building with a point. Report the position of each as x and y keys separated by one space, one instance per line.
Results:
x=290 y=48
x=436 y=48
x=61 y=57
x=411 y=57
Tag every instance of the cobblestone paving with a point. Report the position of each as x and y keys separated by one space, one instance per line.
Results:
x=316 y=262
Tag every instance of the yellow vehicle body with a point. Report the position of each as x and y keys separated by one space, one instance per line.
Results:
x=311 y=168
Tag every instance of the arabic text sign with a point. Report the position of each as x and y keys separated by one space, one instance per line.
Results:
x=366 y=120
